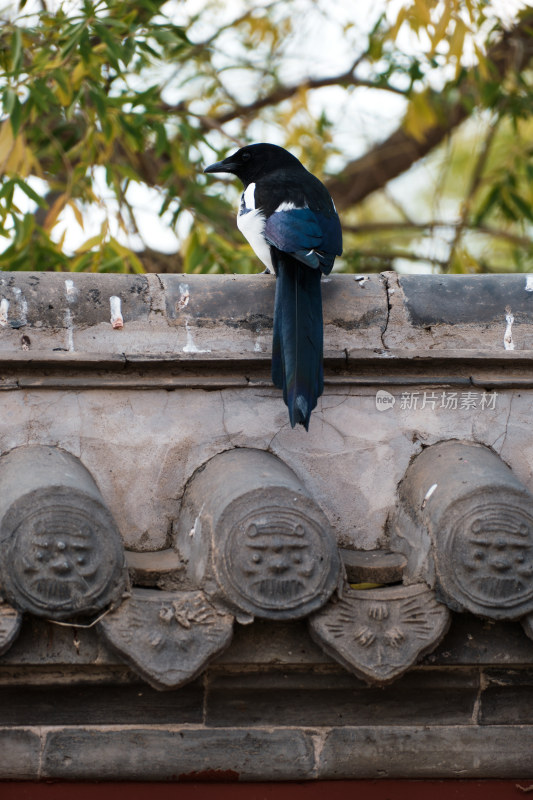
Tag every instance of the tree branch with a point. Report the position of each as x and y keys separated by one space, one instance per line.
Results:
x=401 y=150
x=475 y=182
x=391 y=255
x=485 y=230
x=161 y=263
x=281 y=93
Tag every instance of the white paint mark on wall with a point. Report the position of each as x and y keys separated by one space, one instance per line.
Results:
x=508 y=336
x=197 y=527
x=190 y=347
x=72 y=292
x=428 y=494
x=70 y=330
x=116 y=314
x=258 y=348
x=183 y=301
x=529 y=283
x=4 y=308
x=22 y=304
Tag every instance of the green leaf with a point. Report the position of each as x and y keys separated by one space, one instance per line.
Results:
x=8 y=99
x=488 y=204
x=521 y=204
x=16 y=51
x=85 y=46
x=7 y=190
x=99 y=100
x=31 y=193
x=113 y=47
x=73 y=39
x=16 y=115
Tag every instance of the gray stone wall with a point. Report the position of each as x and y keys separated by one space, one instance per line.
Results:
x=146 y=391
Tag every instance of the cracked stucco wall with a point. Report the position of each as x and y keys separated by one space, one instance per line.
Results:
x=187 y=376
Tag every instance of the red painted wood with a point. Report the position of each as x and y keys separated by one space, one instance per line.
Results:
x=313 y=790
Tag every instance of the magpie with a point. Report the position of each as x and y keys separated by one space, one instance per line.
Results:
x=290 y=220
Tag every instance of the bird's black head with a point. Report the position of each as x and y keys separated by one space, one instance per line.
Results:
x=255 y=161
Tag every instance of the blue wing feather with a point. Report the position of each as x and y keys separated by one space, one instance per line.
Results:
x=310 y=236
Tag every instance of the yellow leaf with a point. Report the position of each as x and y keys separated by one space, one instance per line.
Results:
x=6 y=142
x=54 y=64
x=78 y=74
x=400 y=19
x=483 y=67
x=422 y=12
x=135 y=262
x=19 y=160
x=470 y=9
x=441 y=27
x=420 y=116
x=77 y=213
x=61 y=242
x=90 y=243
x=63 y=97
x=365 y=586
x=52 y=215
x=457 y=40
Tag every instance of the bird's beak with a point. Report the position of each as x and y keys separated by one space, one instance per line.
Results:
x=221 y=166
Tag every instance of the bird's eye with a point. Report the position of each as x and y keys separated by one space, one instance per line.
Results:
x=246 y=156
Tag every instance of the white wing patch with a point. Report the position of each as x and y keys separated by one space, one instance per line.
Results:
x=285 y=206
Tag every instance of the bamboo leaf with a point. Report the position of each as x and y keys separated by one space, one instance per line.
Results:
x=55 y=210
x=77 y=213
x=16 y=115
x=16 y=51
x=522 y=205
x=31 y=193
x=6 y=143
x=89 y=244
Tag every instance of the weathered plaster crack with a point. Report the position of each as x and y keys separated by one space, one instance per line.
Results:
x=476 y=710
x=224 y=426
x=283 y=427
x=344 y=397
x=156 y=293
x=503 y=436
x=160 y=282
x=386 y=283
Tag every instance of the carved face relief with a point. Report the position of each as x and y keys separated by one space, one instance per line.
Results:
x=277 y=562
x=491 y=553
x=60 y=560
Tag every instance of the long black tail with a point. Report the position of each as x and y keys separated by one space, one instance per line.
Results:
x=298 y=337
